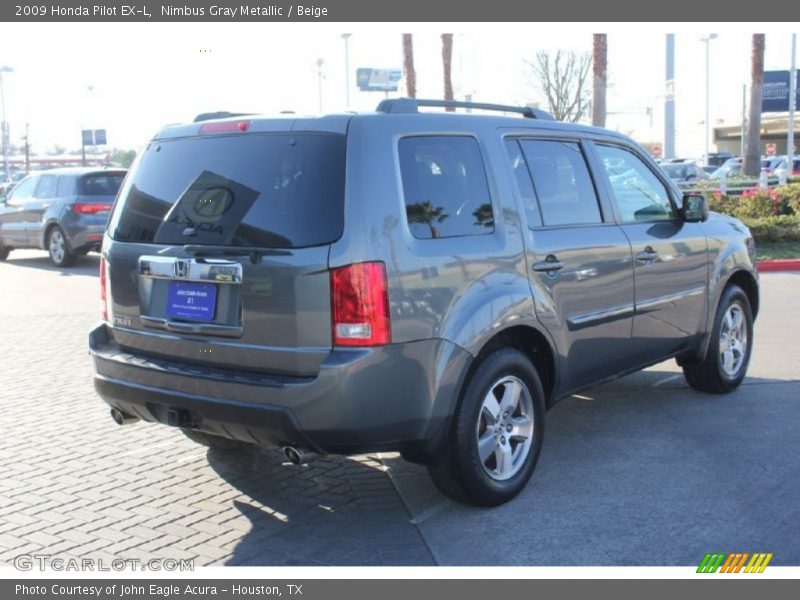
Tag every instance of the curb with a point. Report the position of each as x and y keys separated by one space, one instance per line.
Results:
x=779 y=264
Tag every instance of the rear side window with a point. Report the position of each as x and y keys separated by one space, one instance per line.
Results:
x=445 y=187
x=100 y=184
x=562 y=182
x=47 y=186
x=66 y=186
x=264 y=190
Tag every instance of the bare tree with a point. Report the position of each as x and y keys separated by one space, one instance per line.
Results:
x=752 y=148
x=408 y=66
x=562 y=78
x=600 y=79
x=447 y=64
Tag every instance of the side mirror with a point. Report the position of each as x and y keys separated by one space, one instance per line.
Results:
x=695 y=208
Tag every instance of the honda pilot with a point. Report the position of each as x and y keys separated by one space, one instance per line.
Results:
x=423 y=282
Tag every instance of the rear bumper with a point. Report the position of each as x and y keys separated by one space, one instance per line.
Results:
x=362 y=400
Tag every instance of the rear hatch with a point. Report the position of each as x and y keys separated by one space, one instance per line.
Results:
x=220 y=248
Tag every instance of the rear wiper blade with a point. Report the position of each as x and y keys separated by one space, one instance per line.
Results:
x=254 y=252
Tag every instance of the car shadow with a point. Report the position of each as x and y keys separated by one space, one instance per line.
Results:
x=332 y=511
x=85 y=265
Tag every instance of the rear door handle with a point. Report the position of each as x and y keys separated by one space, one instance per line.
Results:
x=647 y=256
x=550 y=265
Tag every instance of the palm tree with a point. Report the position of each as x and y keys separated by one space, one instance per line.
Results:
x=447 y=63
x=600 y=71
x=408 y=66
x=752 y=148
x=427 y=214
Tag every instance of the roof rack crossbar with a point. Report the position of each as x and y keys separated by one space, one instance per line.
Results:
x=411 y=105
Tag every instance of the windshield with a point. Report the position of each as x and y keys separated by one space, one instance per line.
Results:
x=265 y=190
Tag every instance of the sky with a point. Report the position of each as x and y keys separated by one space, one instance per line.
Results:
x=133 y=78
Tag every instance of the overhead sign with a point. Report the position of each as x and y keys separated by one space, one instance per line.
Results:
x=378 y=80
x=775 y=93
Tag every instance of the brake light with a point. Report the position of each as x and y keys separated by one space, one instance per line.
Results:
x=91 y=208
x=103 y=293
x=225 y=127
x=360 y=305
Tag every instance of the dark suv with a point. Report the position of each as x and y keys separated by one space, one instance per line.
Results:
x=63 y=211
x=423 y=282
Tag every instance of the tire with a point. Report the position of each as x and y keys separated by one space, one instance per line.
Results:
x=725 y=364
x=216 y=442
x=460 y=473
x=58 y=248
x=4 y=252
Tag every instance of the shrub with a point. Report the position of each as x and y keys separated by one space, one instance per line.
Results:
x=777 y=228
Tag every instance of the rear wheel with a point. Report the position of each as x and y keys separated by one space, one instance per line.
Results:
x=57 y=246
x=216 y=442
x=728 y=355
x=496 y=433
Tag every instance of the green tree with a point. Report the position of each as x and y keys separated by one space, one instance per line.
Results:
x=123 y=158
x=408 y=66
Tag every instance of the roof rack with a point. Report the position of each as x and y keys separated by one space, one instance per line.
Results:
x=220 y=114
x=411 y=105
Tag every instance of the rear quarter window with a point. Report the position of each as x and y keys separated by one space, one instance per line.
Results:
x=445 y=187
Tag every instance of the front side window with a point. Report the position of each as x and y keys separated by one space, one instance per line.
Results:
x=524 y=184
x=562 y=182
x=445 y=187
x=24 y=189
x=639 y=194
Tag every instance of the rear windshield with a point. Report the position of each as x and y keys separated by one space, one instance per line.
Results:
x=100 y=184
x=265 y=190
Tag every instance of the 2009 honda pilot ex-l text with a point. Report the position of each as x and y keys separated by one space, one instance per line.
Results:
x=424 y=282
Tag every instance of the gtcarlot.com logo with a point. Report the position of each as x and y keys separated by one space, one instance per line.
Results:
x=735 y=562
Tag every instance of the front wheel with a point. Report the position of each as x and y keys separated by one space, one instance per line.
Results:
x=57 y=246
x=497 y=432
x=728 y=355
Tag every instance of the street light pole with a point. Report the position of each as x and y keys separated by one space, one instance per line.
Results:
x=707 y=39
x=319 y=81
x=792 y=102
x=346 y=38
x=4 y=124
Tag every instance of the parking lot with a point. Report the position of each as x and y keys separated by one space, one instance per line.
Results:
x=642 y=471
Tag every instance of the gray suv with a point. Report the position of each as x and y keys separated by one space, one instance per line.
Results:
x=63 y=211
x=427 y=283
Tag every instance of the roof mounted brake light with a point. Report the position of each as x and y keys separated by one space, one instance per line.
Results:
x=225 y=127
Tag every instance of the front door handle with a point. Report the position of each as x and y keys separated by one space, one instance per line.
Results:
x=647 y=256
x=550 y=265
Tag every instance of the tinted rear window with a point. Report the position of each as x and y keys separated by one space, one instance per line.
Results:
x=100 y=184
x=265 y=190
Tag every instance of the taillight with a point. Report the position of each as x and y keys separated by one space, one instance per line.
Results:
x=103 y=292
x=91 y=208
x=225 y=127
x=360 y=305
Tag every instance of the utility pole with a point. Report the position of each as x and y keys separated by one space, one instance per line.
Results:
x=346 y=38
x=744 y=118
x=707 y=39
x=4 y=123
x=669 y=100
x=792 y=103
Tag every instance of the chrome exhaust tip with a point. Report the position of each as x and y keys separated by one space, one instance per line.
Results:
x=121 y=418
x=298 y=456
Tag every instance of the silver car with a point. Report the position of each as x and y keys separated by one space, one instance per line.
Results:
x=63 y=211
